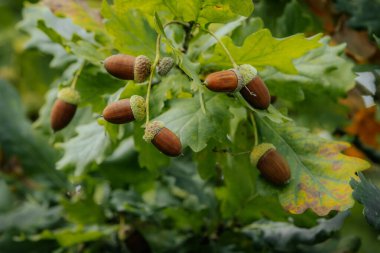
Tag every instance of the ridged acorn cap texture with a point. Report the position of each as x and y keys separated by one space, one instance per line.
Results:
x=151 y=129
x=165 y=65
x=247 y=72
x=69 y=95
x=138 y=107
x=259 y=151
x=142 y=68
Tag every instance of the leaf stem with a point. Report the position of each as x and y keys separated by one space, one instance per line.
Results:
x=254 y=125
x=153 y=68
x=76 y=76
x=224 y=48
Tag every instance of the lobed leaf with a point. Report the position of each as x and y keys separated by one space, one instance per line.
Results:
x=368 y=195
x=87 y=147
x=260 y=49
x=131 y=33
x=320 y=173
x=194 y=127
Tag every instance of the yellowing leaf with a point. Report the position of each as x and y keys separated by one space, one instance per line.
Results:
x=260 y=49
x=320 y=172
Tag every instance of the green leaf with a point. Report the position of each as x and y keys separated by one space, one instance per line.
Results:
x=321 y=70
x=238 y=174
x=83 y=211
x=282 y=236
x=368 y=195
x=364 y=14
x=67 y=237
x=209 y=11
x=194 y=127
x=260 y=49
x=131 y=32
x=29 y=216
x=18 y=140
x=93 y=85
x=296 y=18
x=171 y=86
x=319 y=172
x=89 y=146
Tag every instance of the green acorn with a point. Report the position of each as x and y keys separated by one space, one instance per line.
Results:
x=165 y=65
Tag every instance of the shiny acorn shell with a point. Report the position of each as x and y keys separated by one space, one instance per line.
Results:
x=119 y=112
x=61 y=114
x=256 y=93
x=222 y=81
x=121 y=66
x=167 y=142
x=272 y=166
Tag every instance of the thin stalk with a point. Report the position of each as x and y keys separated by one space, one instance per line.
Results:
x=224 y=48
x=153 y=68
x=254 y=125
x=76 y=76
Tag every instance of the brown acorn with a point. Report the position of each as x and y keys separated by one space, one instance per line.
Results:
x=125 y=110
x=128 y=67
x=273 y=167
x=256 y=94
x=223 y=81
x=64 y=108
x=162 y=138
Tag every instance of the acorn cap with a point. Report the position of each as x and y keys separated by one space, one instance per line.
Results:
x=142 y=68
x=259 y=151
x=69 y=95
x=151 y=129
x=247 y=72
x=240 y=79
x=138 y=107
x=165 y=65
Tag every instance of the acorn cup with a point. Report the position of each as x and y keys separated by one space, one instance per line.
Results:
x=125 y=110
x=128 y=67
x=162 y=138
x=64 y=108
x=272 y=166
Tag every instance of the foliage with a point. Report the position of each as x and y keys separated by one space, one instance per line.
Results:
x=98 y=187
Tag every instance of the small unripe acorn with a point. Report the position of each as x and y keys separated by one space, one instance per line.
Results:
x=162 y=138
x=125 y=110
x=165 y=65
x=64 y=108
x=128 y=67
x=272 y=166
x=256 y=93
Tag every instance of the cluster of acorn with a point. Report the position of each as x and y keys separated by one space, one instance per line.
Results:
x=243 y=79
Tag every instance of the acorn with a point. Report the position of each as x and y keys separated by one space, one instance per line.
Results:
x=162 y=138
x=256 y=93
x=128 y=67
x=125 y=110
x=64 y=108
x=165 y=65
x=224 y=81
x=272 y=166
